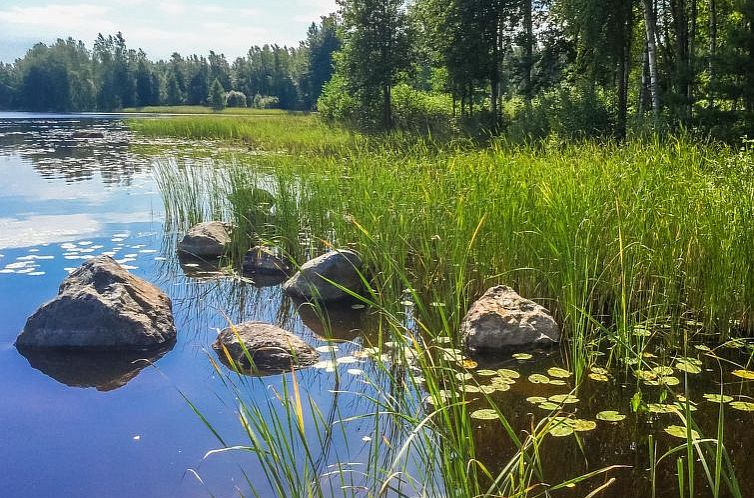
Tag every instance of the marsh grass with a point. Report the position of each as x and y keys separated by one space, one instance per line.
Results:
x=650 y=235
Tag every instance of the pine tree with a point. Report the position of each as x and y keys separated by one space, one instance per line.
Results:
x=216 y=97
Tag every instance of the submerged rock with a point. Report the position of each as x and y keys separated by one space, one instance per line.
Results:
x=334 y=323
x=502 y=319
x=101 y=305
x=272 y=349
x=264 y=260
x=102 y=370
x=312 y=281
x=210 y=240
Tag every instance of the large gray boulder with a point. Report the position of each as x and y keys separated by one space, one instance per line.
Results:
x=209 y=240
x=271 y=348
x=101 y=305
x=312 y=281
x=501 y=319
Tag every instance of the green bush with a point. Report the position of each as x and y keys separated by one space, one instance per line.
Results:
x=235 y=99
x=422 y=112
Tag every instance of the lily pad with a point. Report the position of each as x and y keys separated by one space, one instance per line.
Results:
x=641 y=332
x=470 y=364
x=539 y=379
x=669 y=380
x=508 y=373
x=535 y=400
x=561 y=430
x=558 y=373
x=486 y=372
x=743 y=406
x=661 y=408
x=610 y=416
x=471 y=388
x=557 y=382
x=662 y=371
x=680 y=432
x=485 y=414
x=564 y=398
x=718 y=398
x=581 y=425
x=463 y=376
x=522 y=356
x=645 y=375
x=599 y=370
x=687 y=366
x=549 y=406
x=744 y=374
x=487 y=389
x=598 y=377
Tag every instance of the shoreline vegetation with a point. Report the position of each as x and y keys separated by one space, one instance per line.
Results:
x=640 y=249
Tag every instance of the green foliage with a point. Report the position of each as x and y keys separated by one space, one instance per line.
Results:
x=216 y=97
x=235 y=99
x=375 y=51
x=422 y=112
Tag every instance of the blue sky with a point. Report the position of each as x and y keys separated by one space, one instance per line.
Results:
x=160 y=27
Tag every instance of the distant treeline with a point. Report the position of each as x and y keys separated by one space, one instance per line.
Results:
x=66 y=76
x=533 y=68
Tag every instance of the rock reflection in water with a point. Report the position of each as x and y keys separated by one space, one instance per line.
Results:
x=103 y=370
x=199 y=269
x=335 y=322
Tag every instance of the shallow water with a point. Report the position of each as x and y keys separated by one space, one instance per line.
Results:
x=72 y=425
x=77 y=425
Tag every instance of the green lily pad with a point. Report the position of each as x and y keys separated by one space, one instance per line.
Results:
x=463 y=376
x=718 y=398
x=564 y=398
x=561 y=430
x=743 y=406
x=522 y=356
x=549 y=406
x=558 y=373
x=535 y=400
x=486 y=372
x=641 y=332
x=598 y=377
x=502 y=380
x=500 y=386
x=610 y=416
x=471 y=388
x=680 y=432
x=507 y=372
x=539 y=379
x=744 y=374
x=488 y=389
x=581 y=425
x=687 y=366
x=661 y=408
x=662 y=371
x=645 y=375
x=485 y=414
x=669 y=380
x=557 y=382
x=599 y=370
x=682 y=407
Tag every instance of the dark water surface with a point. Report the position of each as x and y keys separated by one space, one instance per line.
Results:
x=73 y=425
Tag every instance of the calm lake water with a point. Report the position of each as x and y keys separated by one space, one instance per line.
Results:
x=78 y=426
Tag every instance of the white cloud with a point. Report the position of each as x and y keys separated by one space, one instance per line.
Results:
x=56 y=19
x=161 y=27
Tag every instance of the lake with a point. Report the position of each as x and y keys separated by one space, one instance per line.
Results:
x=118 y=425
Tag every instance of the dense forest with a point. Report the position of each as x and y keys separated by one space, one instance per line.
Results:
x=528 y=68
x=66 y=76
